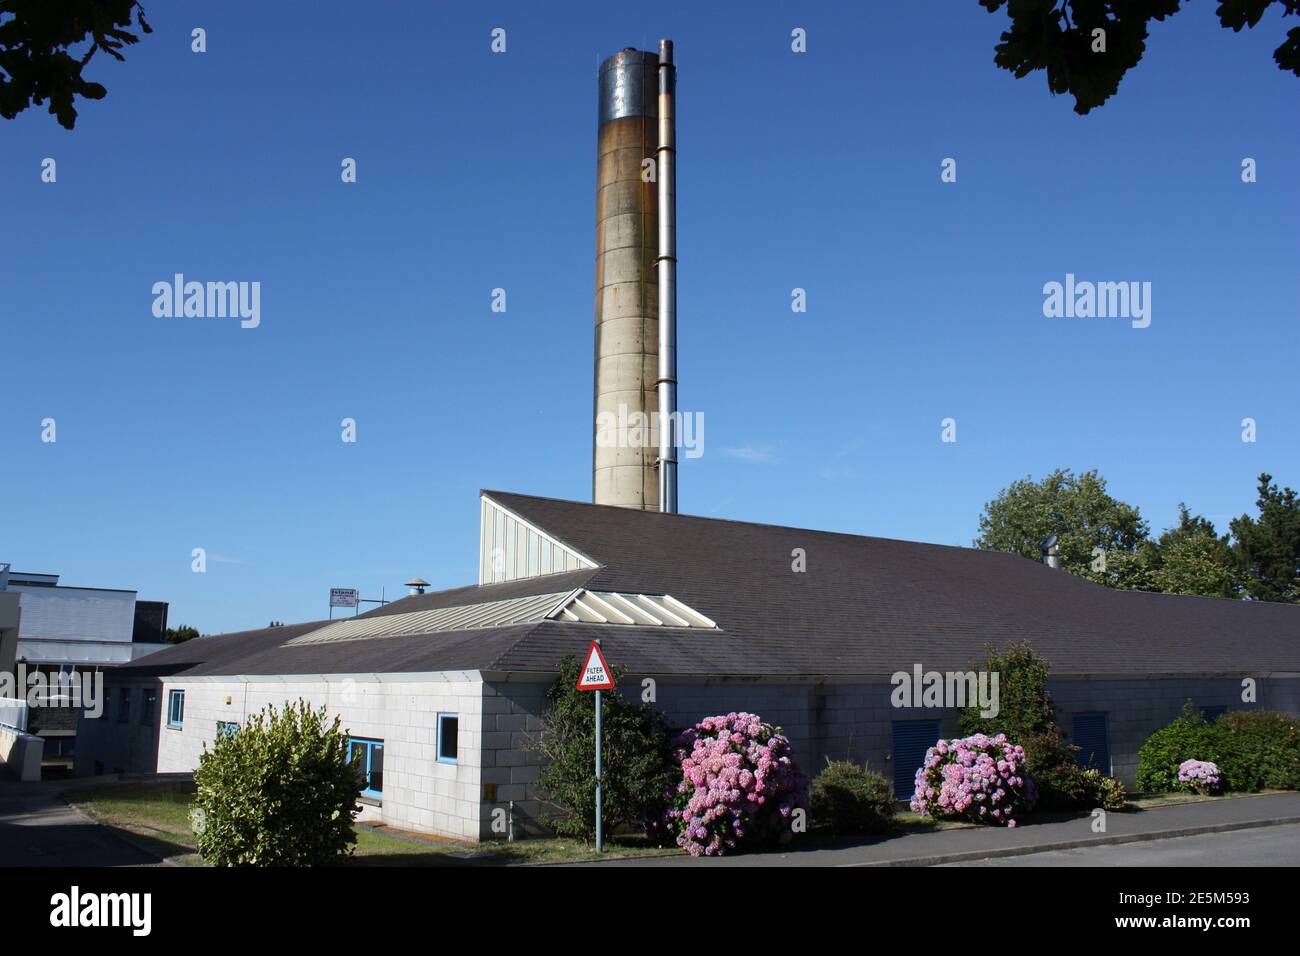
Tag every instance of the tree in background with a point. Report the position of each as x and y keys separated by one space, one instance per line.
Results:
x=179 y=635
x=1086 y=46
x=1260 y=559
x=35 y=39
x=1190 y=558
x=1077 y=509
x=1267 y=548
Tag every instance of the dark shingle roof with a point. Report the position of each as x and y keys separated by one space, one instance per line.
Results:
x=864 y=606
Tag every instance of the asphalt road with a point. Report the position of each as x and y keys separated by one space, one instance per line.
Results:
x=38 y=828
x=1265 y=846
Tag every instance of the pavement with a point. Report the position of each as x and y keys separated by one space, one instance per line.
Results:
x=38 y=828
x=974 y=844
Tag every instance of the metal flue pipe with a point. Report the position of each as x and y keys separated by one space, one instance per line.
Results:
x=666 y=267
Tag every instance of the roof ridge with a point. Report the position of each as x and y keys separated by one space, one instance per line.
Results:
x=741 y=521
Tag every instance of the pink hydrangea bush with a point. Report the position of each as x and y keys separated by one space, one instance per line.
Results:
x=1201 y=776
x=740 y=786
x=980 y=779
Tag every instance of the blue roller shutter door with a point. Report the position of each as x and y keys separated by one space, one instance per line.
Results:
x=912 y=738
x=1093 y=742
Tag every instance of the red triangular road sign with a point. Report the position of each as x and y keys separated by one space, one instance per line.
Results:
x=595 y=673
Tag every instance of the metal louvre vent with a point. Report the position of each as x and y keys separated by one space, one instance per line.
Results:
x=462 y=618
x=581 y=606
x=638 y=610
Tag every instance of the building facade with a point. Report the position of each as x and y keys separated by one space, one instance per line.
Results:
x=444 y=693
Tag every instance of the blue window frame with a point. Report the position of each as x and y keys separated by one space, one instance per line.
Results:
x=368 y=755
x=176 y=708
x=448 y=737
x=226 y=728
x=123 y=705
x=148 y=706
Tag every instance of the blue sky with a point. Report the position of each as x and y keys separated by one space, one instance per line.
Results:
x=475 y=171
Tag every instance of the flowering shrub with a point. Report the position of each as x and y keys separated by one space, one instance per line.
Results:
x=1202 y=776
x=979 y=778
x=739 y=786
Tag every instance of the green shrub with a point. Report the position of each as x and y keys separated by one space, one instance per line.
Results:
x=851 y=798
x=1258 y=750
x=277 y=792
x=1026 y=714
x=1188 y=737
x=636 y=758
x=1062 y=783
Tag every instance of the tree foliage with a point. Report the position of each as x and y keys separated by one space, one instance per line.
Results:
x=1190 y=558
x=1260 y=559
x=1267 y=548
x=1077 y=509
x=636 y=758
x=1060 y=37
x=181 y=634
x=279 y=791
x=37 y=57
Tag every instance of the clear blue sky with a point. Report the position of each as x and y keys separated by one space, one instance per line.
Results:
x=476 y=170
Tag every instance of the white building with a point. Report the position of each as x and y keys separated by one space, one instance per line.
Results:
x=68 y=631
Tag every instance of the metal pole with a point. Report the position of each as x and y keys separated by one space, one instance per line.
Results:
x=666 y=265
x=600 y=832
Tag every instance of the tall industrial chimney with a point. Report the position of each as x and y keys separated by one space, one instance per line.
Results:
x=629 y=161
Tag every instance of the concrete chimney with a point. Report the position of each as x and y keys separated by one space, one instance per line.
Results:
x=627 y=294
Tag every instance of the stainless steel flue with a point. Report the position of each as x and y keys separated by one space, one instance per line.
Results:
x=666 y=266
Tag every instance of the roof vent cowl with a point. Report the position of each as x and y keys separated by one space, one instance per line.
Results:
x=1051 y=552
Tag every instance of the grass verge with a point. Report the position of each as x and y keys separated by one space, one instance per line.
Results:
x=155 y=816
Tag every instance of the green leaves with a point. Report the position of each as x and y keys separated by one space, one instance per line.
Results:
x=636 y=758
x=1086 y=47
x=1267 y=548
x=1075 y=508
x=1260 y=560
x=277 y=792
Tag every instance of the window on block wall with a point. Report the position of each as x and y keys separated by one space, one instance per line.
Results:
x=148 y=706
x=226 y=728
x=448 y=734
x=123 y=705
x=368 y=756
x=176 y=708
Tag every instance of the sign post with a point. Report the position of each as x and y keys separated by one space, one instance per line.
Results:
x=595 y=675
x=343 y=597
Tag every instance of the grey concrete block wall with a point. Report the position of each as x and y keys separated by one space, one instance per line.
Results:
x=854 y=721
x=512 y=712
x=109 y=744
x=839 y=721
x=1137 y=707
